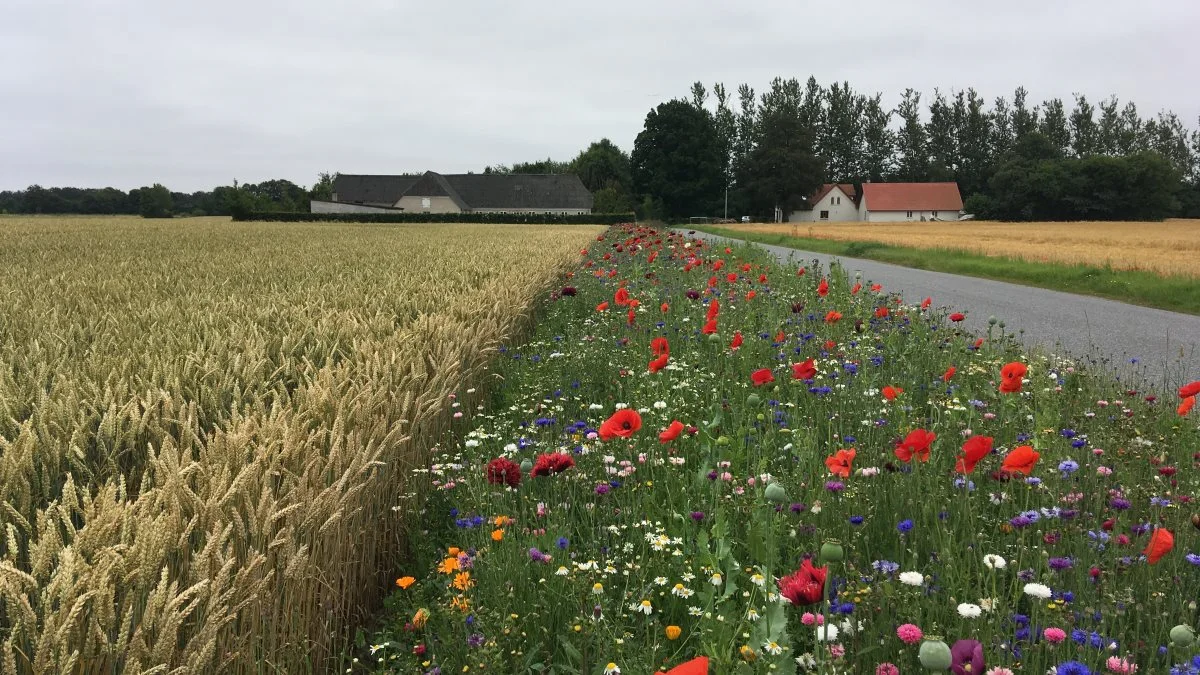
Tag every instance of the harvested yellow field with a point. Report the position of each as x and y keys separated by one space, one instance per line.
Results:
x=205 y=426
x=1171 y=247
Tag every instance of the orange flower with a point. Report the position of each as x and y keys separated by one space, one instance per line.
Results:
x=1020 y=460
x=949 y=373
x=453 y=551
x=673 y=632
x=497 y=535
x=833 y=316
x=602 y=306
x=839 y=462
x=462 y=581
x=460 y=603
x=448 y=566
x=1186 y=405
x=405 y=582
x=420 y=618
x=1161 y=543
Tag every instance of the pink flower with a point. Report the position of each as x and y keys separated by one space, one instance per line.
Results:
x=1121 y=665
x=1055 y=635
x=886 y=669
x=909 y=634
x=999 y=670
x=837 y=651
x=808 y=619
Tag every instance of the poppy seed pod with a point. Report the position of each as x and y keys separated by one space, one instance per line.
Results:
x=753 y=400
x=723 y=440
x=1183 y=636
x=1196 y=520
x=831 y=551
x=775 y=493
x=526 y=465
x=934 y=654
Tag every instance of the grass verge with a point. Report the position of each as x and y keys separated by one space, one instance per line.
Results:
x=1173 y=293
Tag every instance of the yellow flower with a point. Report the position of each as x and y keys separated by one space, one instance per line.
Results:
x=501 y=521
x=462 y=581
x=597 y=588
x=747 y=653
x=612 y=669
x=453 y=551
x=497 y=534
x=448 y=566
x=420 y=618
x=460 y=603
x=673 y=632
x=405 y=582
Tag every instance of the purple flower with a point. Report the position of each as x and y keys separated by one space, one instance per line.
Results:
x=835 y=486
x=797 y=507
x=1060 y=563
x=537 y=556
x=966 y=657
x=697 y=516
x=475 y=640
x=1119 y=503
x=602 y=489
x=1192 y=558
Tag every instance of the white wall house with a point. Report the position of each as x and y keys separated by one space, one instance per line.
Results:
x=831 y=204
x=909 y=202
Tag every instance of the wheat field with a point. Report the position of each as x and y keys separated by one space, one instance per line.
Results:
x=205 y=426
x=1171 y=247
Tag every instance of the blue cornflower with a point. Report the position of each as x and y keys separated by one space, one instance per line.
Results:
x=1078 y=443
x=1193 y=559
x=1068 y=433
x=1160 y=501
x=1068 y=467
x=856 y=520
x=563 y=543
x=905 y=526
x=1072 y=668
x=850 y=368
x=1079 y=636
x=886 y=566
x=849 y=439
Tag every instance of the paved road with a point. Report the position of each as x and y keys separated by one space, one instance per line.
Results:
x=1165 y=345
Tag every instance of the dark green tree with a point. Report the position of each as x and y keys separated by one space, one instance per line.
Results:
x=1108 y=127
x=1024 y=120
x=912 y=161
x=155 y=202
x=323 y=189
x=839 y=138
x=879 y=141
x=1085 y=133
x=942 y=133
x=676 y=160
x=782 y=169
x=1054 y=124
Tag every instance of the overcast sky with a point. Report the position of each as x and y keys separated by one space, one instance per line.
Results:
x=194 y=94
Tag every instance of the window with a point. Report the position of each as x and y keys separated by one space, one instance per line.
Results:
x=910 y=214
x=824 y=215
x=935 y=214
x=425 y=203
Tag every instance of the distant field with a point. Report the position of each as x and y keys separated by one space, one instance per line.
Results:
x=1168 y=248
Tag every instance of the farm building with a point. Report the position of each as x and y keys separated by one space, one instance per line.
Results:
x=881 y=202
x=458 y=193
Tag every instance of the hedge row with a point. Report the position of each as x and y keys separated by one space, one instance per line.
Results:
x=516 y=218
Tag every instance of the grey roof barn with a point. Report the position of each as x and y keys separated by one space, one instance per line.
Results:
x=459 y=193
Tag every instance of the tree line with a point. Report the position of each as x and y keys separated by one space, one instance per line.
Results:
x=741 y=152
x=157 y=201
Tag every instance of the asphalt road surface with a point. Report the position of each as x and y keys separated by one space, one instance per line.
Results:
x=1144 y=347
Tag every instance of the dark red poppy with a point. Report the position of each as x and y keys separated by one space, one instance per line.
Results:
x=806 y=586
x=762 y=376
x=552 y=463
x=671 y=432
x=658 y=363
x=975 y=449
x=957 y=316
x=623 y=423
x=503 y=471
x=804 y=371
x=916 y=444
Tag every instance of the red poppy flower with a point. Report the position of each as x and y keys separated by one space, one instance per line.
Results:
x=503 y=471
x=658 y=363
x=621 y=297
x=660 y=346
x=839 y=462
x=623 y=423
x=650 y=258
x=978 y=343
x=833 y=316
x=714 y=308
x=916 y=444
x=710 y=327
x=855 y=289
x=1020 y=460
x=632 y=316
x=750 y=295
x=957 y=316
x=823 y=288
x=800 y=272
x=737 y=340
x=762 y=278
x=1187 y=404
x=697 y=666
x=949 y=373
x=975 y=449
x=1010 y=377
x=926 y=303
x=780 y=336
x=762 y=376
x=552 y=463
x=671 y=432
x=804 y=371
x=806 y=586
x=1189 y=389
x=602 y=306
x=1161 y=543
x=890 y=393
x=875 y=288
x=882 y=312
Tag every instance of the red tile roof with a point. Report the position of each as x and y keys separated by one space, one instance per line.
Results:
x=912 y=196
x=825 y=189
